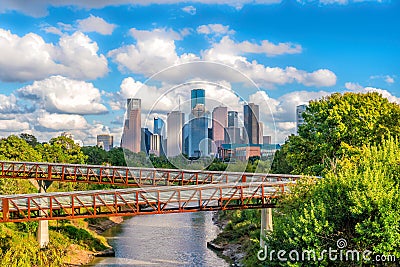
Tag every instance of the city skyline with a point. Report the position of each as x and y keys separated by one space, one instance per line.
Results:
x=69 y=66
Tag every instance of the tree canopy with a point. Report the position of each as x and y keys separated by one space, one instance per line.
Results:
x=338 y=125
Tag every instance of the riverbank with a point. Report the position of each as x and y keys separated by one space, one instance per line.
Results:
x=238 y=237
x=77 y=256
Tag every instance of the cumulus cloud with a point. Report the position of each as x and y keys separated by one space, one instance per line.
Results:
x=59 y=94
x=13 y=126
x=154 y=50
x=8 y=104
x=57 y=122
x=96 y=24
x=30 y=58
x=356 y=87
x=216 y=29
x=189 y=9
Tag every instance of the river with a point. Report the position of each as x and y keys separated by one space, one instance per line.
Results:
x=163 y=240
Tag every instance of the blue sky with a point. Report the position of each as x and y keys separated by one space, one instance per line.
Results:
x=68 y=66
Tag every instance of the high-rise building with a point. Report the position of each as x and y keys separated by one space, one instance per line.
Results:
x=267 y=139
x=251 y=124
x=219 y=122
x=105 y=141
x=132 y=129
x=175 y=122
x=197 y=97
x=145 y=136
x=299 y=115
x=232 y=119
x=156 y=145
x=260 y=133
x=159 y=126
x=198 y=132
x=232 y=135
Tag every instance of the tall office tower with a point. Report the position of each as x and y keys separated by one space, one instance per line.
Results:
x=260 y=133
x=175 y=122
x=156 y=145
x=145 y=140
x=219 y=122
x=197 y=97
x=132 y=129
x=251 y=123
x=267 y=139
x=232 y=135
x=198 y=132
x=159 y=126
x=232 y=119
x=299 y=115
x=105 y=141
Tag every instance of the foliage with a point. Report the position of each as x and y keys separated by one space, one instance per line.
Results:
x=337 y=125
x=17 y=149
x=358 y=200
x=30 y=139
x=62 y=150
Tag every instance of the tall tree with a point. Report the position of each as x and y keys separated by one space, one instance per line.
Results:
x=338 y=125
x=30 y=139
x=62 y=150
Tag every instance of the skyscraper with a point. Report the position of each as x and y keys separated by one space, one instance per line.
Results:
x=198 y=132
x=159 y=126
x=232 y=119
x=145 y=140
x=105 y=141
x=299 y=115
x=175 y=122
x=197 y=97
x=219 y=122
x=132 y=129
x=251 y=123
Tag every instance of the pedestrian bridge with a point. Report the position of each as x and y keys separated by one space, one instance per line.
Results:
x=146 y=191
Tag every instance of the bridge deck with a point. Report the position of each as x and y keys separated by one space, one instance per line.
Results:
x=129 y=176
x=137 y=201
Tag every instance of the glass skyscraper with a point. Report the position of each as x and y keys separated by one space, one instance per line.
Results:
x=251 y=123
x=197 y=97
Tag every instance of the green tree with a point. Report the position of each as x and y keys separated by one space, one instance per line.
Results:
x=62 y=150
x=14 y=148
x=17 y=149
x=95 y=155
x=338 y=125
x=358 y=200
x=30 y=139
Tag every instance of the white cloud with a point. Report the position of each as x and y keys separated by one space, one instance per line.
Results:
x=59 y=122
x=38 y=8
x=63 y=95
x=30 y=58
x=359 y=88
x=154 y=50
x=13 y=126
x=230 y=47
x=8 y=104
x=53 y=30
x=353 y=86
x=387 y=78
x=96 y=24
x=217 y=29
x=189 y=9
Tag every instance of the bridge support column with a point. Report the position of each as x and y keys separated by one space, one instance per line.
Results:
x=266 y=224
x=43 y=228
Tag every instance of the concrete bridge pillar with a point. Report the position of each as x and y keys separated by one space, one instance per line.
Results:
x=266 y=224
x=43 y=228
